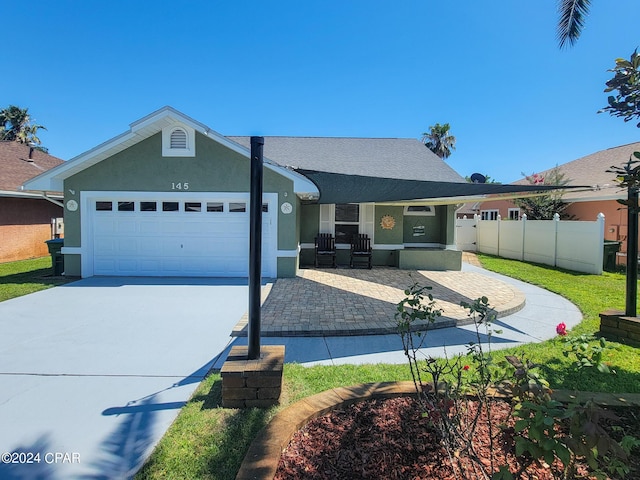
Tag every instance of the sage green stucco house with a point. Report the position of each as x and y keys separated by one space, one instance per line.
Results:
x=170 y=197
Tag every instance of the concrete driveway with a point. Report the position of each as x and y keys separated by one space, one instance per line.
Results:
x=94 y=372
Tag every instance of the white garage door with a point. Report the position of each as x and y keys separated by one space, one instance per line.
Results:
x=142 y=234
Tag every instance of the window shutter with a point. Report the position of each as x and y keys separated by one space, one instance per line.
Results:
x=367 y=219
x=327 y=215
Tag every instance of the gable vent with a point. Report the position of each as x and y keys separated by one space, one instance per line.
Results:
x=178 y=139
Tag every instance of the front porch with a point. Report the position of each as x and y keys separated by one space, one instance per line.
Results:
x=409 y=258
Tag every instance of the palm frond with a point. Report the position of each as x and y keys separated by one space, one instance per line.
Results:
x=572 y=16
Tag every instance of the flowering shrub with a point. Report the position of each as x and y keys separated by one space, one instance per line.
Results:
x=546 y=432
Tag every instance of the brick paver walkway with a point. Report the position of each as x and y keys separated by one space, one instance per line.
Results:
x=347 y=301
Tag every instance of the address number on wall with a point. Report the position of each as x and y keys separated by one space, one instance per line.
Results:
x=179 y=185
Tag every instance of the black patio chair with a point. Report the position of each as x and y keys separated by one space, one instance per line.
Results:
x=360 y=249
x=326 y=248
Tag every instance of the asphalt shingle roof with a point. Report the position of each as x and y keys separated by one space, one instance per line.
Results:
x=591 y=170
x=399 y=158
x=17 y=166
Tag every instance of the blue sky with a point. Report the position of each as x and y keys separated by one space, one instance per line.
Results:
x=492 y=69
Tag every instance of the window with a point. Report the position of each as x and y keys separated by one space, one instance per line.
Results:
x=215 y=207
x=126 y=206
x=422 y=210
x=104 y=206
x=489 y=214
x=192 y=206
x=514 y=214
x=347 y=222
x=148 y=206
x=170 y=206
x=237 y=207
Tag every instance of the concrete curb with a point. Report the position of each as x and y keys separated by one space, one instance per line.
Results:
x=263 y=456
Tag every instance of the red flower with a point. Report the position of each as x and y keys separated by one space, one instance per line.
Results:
x=561 y=329
x=466 y=367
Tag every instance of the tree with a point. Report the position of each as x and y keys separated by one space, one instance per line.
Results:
x=572 y=15
x=16 y=126
x=439 y=141
x=626 y=81
x=544 y=207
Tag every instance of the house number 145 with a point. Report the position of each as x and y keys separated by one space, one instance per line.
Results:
x=180 y=186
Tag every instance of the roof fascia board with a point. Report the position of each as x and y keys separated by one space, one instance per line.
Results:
x=9 y=193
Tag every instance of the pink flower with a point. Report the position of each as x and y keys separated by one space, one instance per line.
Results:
x=466 y=367
x=561 y=329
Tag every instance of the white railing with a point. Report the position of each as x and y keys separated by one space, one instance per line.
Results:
x=574 y=245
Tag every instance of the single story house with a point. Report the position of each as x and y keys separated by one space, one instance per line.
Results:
x=170 y=197
x=584 y=203
x=27 y=219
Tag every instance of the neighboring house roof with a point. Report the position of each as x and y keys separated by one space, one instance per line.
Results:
x=469 y=209
x=592 y=170
x=19 y=163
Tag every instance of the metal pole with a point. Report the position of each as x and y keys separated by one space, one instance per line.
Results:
x=255 y=247
x=632 y=253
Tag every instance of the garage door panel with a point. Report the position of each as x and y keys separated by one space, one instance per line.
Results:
x=149 y=266
x=127 y=246
x=176 y=243
x=106 y=246
x=104 y=225
x=127 y=266
x=127 y=226
x=149 y=227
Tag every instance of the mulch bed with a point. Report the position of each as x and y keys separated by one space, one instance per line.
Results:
x=390 y=439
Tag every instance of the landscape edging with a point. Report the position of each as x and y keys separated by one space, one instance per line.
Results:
x=262 y=458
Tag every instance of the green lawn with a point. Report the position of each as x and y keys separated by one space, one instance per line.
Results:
x=27 y=276
x=209 y=442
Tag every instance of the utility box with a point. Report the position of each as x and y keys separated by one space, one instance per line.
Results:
x=57 y=259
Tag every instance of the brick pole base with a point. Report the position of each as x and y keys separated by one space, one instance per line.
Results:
x=252 y=383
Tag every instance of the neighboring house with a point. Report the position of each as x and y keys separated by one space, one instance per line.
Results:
x=170 y=197
x=25 y=217
x=585 y=204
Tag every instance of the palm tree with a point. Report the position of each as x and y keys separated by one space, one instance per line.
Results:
x=16 y=126
x=572 y=15
x=439 y=141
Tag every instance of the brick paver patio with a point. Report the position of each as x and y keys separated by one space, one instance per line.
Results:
x=347 y=301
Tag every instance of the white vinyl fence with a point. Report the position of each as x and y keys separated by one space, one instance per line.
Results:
x=574 y=245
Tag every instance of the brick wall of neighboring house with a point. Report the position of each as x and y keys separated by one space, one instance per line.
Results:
x=25 y=224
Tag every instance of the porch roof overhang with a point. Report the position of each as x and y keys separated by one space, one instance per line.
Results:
x=341 y=188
